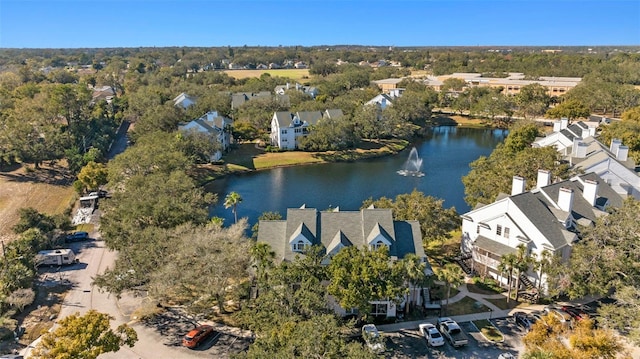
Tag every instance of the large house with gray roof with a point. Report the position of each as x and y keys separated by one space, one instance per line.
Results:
x=546 y=218
x=214 y=125
x=563 y=135
x=287 y=128
x=579 y=147
x=334 y=230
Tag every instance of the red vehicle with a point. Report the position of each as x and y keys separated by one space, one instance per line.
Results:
x=575 y=313
x=197 y=336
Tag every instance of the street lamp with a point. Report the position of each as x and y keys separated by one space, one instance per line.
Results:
x=490 y=313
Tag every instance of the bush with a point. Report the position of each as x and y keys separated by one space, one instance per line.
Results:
x=488 y=284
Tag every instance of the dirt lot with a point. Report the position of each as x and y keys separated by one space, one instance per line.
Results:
x=47 y=189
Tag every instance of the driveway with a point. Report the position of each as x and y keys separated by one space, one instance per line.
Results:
x=408 y=343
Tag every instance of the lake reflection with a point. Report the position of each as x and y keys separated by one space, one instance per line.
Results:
x=445 y=153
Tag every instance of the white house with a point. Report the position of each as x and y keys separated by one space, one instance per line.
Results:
x=287 y=128
x=183 y=100
x=308 y=90
x=334 y=230
x=386 y=99
x=612 y=164
x=546 y=218
x=564 y=134
x=215 y=125
x=585 y=153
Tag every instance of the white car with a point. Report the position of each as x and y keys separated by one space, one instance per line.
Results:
x=506 y=356
x=431 y=334
x=372 y=337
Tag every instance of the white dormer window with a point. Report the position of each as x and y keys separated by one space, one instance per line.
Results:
x=378 y=244
x=299 y=246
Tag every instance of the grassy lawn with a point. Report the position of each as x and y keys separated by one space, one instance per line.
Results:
x=298 y=75
x=48 y=190
x=247 y=157
x=488 y=330
x=467 y=305
x=502 y=303
x=487 y=287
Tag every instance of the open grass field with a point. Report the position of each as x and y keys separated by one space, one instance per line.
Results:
x=298 y=75
x=48 y=190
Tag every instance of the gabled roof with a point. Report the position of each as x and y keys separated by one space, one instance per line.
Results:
x=310 y=117
x=540 y=209
x=285 y=118
x=333 y=229
x=493 y=246
x=541 y=217
x=339 y=241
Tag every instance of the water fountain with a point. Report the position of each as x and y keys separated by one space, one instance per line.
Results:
x=413 y=165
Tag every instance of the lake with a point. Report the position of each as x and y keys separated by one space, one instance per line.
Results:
x=445 y=153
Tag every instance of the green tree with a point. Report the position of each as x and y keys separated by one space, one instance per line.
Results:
x=436 y=222
x=359 y=276
x=85 y=336
x=571 y=109
x=521 y=265
x=220 y=256
x=93 y=175
x=31 y=218
x=231 y=201
x=507 y=265
x=612 y=244
x=533 y=100
x=452 y=276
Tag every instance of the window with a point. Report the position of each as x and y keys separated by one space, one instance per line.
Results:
x=299 y=246
x=377 y=245
x=506 y=232
x=499 y=230
x=284 y=132
x=298 y=130
x=379 y=309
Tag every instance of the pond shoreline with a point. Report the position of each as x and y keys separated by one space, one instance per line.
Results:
x=234 y=166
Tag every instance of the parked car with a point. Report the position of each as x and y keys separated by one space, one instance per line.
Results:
x=197 y=336
x=563 y=317
x=452 y=332
x=372 y=337
x=524 y=320
x=431 y=334
x=574 y=312
x=77 y=237
x=100 y=193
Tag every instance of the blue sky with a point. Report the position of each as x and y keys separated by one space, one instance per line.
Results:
x=133 y=23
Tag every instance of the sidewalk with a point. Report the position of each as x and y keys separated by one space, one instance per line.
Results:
x=494 y=312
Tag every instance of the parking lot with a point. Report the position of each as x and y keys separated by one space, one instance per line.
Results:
x=410 y=344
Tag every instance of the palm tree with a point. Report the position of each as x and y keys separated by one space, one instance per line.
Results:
x=413 y=268
x=507 y=264
x=542 y=265
x=521 y=265
x=232 y=200
x=453 y=276
x=263 y=257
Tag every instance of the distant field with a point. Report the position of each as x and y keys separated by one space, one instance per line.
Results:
x=298 y=75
